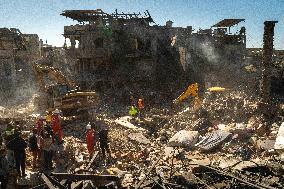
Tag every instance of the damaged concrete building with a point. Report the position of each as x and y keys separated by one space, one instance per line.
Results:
x=17 y=51
x=128 y=51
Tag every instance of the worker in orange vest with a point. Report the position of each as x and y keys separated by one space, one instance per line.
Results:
x=140 y=106
x=56 y=127
x=90 y=139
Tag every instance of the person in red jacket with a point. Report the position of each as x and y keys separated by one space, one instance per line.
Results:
x=56 y=127
x=90 y=140
x=140 y=106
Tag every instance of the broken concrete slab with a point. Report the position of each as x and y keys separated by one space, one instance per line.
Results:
x=228 y=162
x=213 y=140
x=266 y=144
x=139 y=137
x=184 y=138
x=279 y=143
x=125 y=122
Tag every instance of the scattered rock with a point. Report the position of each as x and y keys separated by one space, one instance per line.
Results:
x=184 y=139
x=213 y=140
x=139 y=137
x=279 y=143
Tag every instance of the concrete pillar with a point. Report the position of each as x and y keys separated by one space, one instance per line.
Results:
x=73 y=42
x=266 y=60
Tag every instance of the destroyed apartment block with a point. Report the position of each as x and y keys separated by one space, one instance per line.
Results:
x=17 y=51
x=117 y=49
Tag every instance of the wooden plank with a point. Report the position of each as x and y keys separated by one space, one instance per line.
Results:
x=47 y=182
x=56 y=183
x=148 y=172
x=98 y=179
x=92 y=160
x=259 y=185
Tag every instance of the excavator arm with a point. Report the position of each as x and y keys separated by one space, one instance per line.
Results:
x=54 y=74
x=192 y=90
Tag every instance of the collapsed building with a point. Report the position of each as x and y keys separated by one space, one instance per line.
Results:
x=224 y=144
x=128 y=53
x=17 y=51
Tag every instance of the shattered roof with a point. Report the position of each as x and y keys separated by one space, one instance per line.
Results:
x=92 y=15
x=84 y=15
x=228 y=22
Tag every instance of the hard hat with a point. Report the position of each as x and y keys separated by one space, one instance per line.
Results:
x=88 y=126
x=41 y=118
x=56 y=111
x=140 y=99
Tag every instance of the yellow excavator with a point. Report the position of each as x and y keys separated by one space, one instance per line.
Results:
x=60 y=92
x=192 y=90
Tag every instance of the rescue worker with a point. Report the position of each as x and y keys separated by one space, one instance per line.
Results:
x=131 y=100
x=9 y=134
x=40 y=142
x=18 y=145
x=39 y=124
x=140 y=105
x=47 y=128
x=90 y=139
x=133 y=111
x=103 y=138
x=48 y=149
x=3 y=169
x=48 y=117
x=56 y=127
x=33 y=146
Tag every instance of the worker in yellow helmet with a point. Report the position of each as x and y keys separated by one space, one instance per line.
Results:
x=48 y=118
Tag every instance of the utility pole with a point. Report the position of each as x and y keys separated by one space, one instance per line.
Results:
x=266 y=61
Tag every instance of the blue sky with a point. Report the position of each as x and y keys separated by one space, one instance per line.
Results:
x=43 y=16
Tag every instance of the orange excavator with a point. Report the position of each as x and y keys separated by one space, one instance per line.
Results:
x=58 y=92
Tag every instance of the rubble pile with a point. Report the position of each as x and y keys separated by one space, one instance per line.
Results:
x=194 y=148
x=228 y=133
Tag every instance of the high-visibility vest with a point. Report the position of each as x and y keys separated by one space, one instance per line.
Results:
x=132 y=111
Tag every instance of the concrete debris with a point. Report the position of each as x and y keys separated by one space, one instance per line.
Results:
x=212 y=140
x=139 y=137
x=184 y=138
x=125 y=122
x=279 y=143
x=266 y=144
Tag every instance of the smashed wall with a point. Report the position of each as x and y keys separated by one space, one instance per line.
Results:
x=17 y=51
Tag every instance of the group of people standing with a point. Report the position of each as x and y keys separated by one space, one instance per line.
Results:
x=44 y=140
x=12 y=152
x=136 y=108
x=97 y=132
